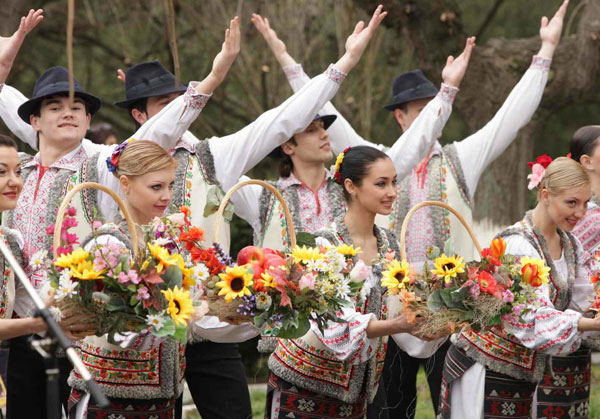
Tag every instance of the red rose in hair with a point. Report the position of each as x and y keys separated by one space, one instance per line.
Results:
x=543 y=160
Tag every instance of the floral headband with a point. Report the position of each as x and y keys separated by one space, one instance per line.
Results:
x=337 y=176
x=113 y=161
x=538 y=170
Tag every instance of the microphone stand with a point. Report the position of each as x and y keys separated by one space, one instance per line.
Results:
x=47 y=347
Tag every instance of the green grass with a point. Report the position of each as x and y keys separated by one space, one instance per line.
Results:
x=424 y=407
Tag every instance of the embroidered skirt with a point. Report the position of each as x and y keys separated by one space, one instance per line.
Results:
x=504 y=396
x=286 y=400
x=565 y=392
x=124 y=408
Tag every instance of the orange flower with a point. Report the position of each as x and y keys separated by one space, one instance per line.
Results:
x=487 y=283
x=594 y=278
x=498 y=247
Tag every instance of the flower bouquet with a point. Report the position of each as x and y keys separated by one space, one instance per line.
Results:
x=476 y=294
x=280 y=291
x=594 y=265
x=127 y=293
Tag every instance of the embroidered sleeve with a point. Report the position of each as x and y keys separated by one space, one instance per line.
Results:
x=447 y=93
x=335 y=75
x=293 y=71
x=194 y=99
x=540 y=63
x=348 y=340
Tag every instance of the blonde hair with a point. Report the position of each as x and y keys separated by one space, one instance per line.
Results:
x=141 y=157
x=563 y=173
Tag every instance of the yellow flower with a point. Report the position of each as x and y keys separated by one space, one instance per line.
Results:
x=188 y=279
x=396 y=276
x=235 y=283
x=180 y=304
x=448 y=267
x=267 y=280
x=72 y=259
x=534 y=271
x=165 y=259
x=348 y=250
x=338 y=162
x=306 y=254
x=85 y=271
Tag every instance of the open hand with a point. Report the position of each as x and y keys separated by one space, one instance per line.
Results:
x=359 y=39
x=9 y=46
x=262 y=25
x=550 y=30
x=455 y=68
x=229 y=51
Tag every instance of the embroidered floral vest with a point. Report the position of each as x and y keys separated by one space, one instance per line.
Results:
x=273 y=232
x=152 y=373
x=85 y=202
x=195 y=175
x=502 y=352
x=8 y=284
x=308 y=364
x=446 y=184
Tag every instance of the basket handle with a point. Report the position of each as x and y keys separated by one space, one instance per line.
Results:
x=92 y=185
x=286 y=210
x=435 y=204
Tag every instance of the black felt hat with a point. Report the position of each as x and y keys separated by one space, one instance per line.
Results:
x=410 y=86
x=327 y=121
x=53 y=81
x=148 y=79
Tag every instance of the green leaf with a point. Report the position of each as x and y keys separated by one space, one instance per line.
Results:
x=116 y=304
x=305 y=239
x=172 y=276
x=180 y=334
x=261 y=319
x=435 y=301
x=168 y=329
x=294 y=332
x=449 y=247
x=132 y=288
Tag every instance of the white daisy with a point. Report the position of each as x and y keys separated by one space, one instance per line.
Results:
x=38 y=260
x=155 y=321
x=200 y=272
x=56 y=313
x=66 y=288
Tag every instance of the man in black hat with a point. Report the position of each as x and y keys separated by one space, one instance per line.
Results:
x=448 y=174
x=65 y=159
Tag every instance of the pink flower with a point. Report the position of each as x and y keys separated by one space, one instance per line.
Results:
x=360 y=272
x=69 y=223
x=50 y=229
x=390 y=255
x=178 y=219
x=71 y=211
x=307 y=281
x=96 y=224
x=508 y=297
x=536 y=176
x=123 y=278
x=142 y=293
x=475 y=291
x=518 y=309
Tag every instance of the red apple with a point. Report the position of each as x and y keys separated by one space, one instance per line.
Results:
x=273 y=261
x=250 y=254
x=268 y=251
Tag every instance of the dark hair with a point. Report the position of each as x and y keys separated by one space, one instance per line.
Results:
x=356 y=164
x=286 y=165
x=402 y=106
x=98 y=133
x=38 y=106
x=584 y=141
x=6 y=141
x=140 y=105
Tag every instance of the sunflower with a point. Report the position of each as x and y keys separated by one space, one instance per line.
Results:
x=396 y=275
x=306 y=254
x=72 y=259
x=448 y=267
x=348 y=250
x=534 y=271
x=180 y=304
x=235 y=283
x=85 y=271
x=165 y=259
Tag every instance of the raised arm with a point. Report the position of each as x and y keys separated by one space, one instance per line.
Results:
x=10 y=98
x=477 y=151
x=237 y=153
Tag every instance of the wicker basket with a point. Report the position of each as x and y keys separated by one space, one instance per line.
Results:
x=227 y=312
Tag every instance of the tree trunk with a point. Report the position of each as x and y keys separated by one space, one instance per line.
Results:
x=434 y=30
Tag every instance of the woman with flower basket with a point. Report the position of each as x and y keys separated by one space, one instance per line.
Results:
x=143 y=374
x=334 y=372
x=494 y=373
